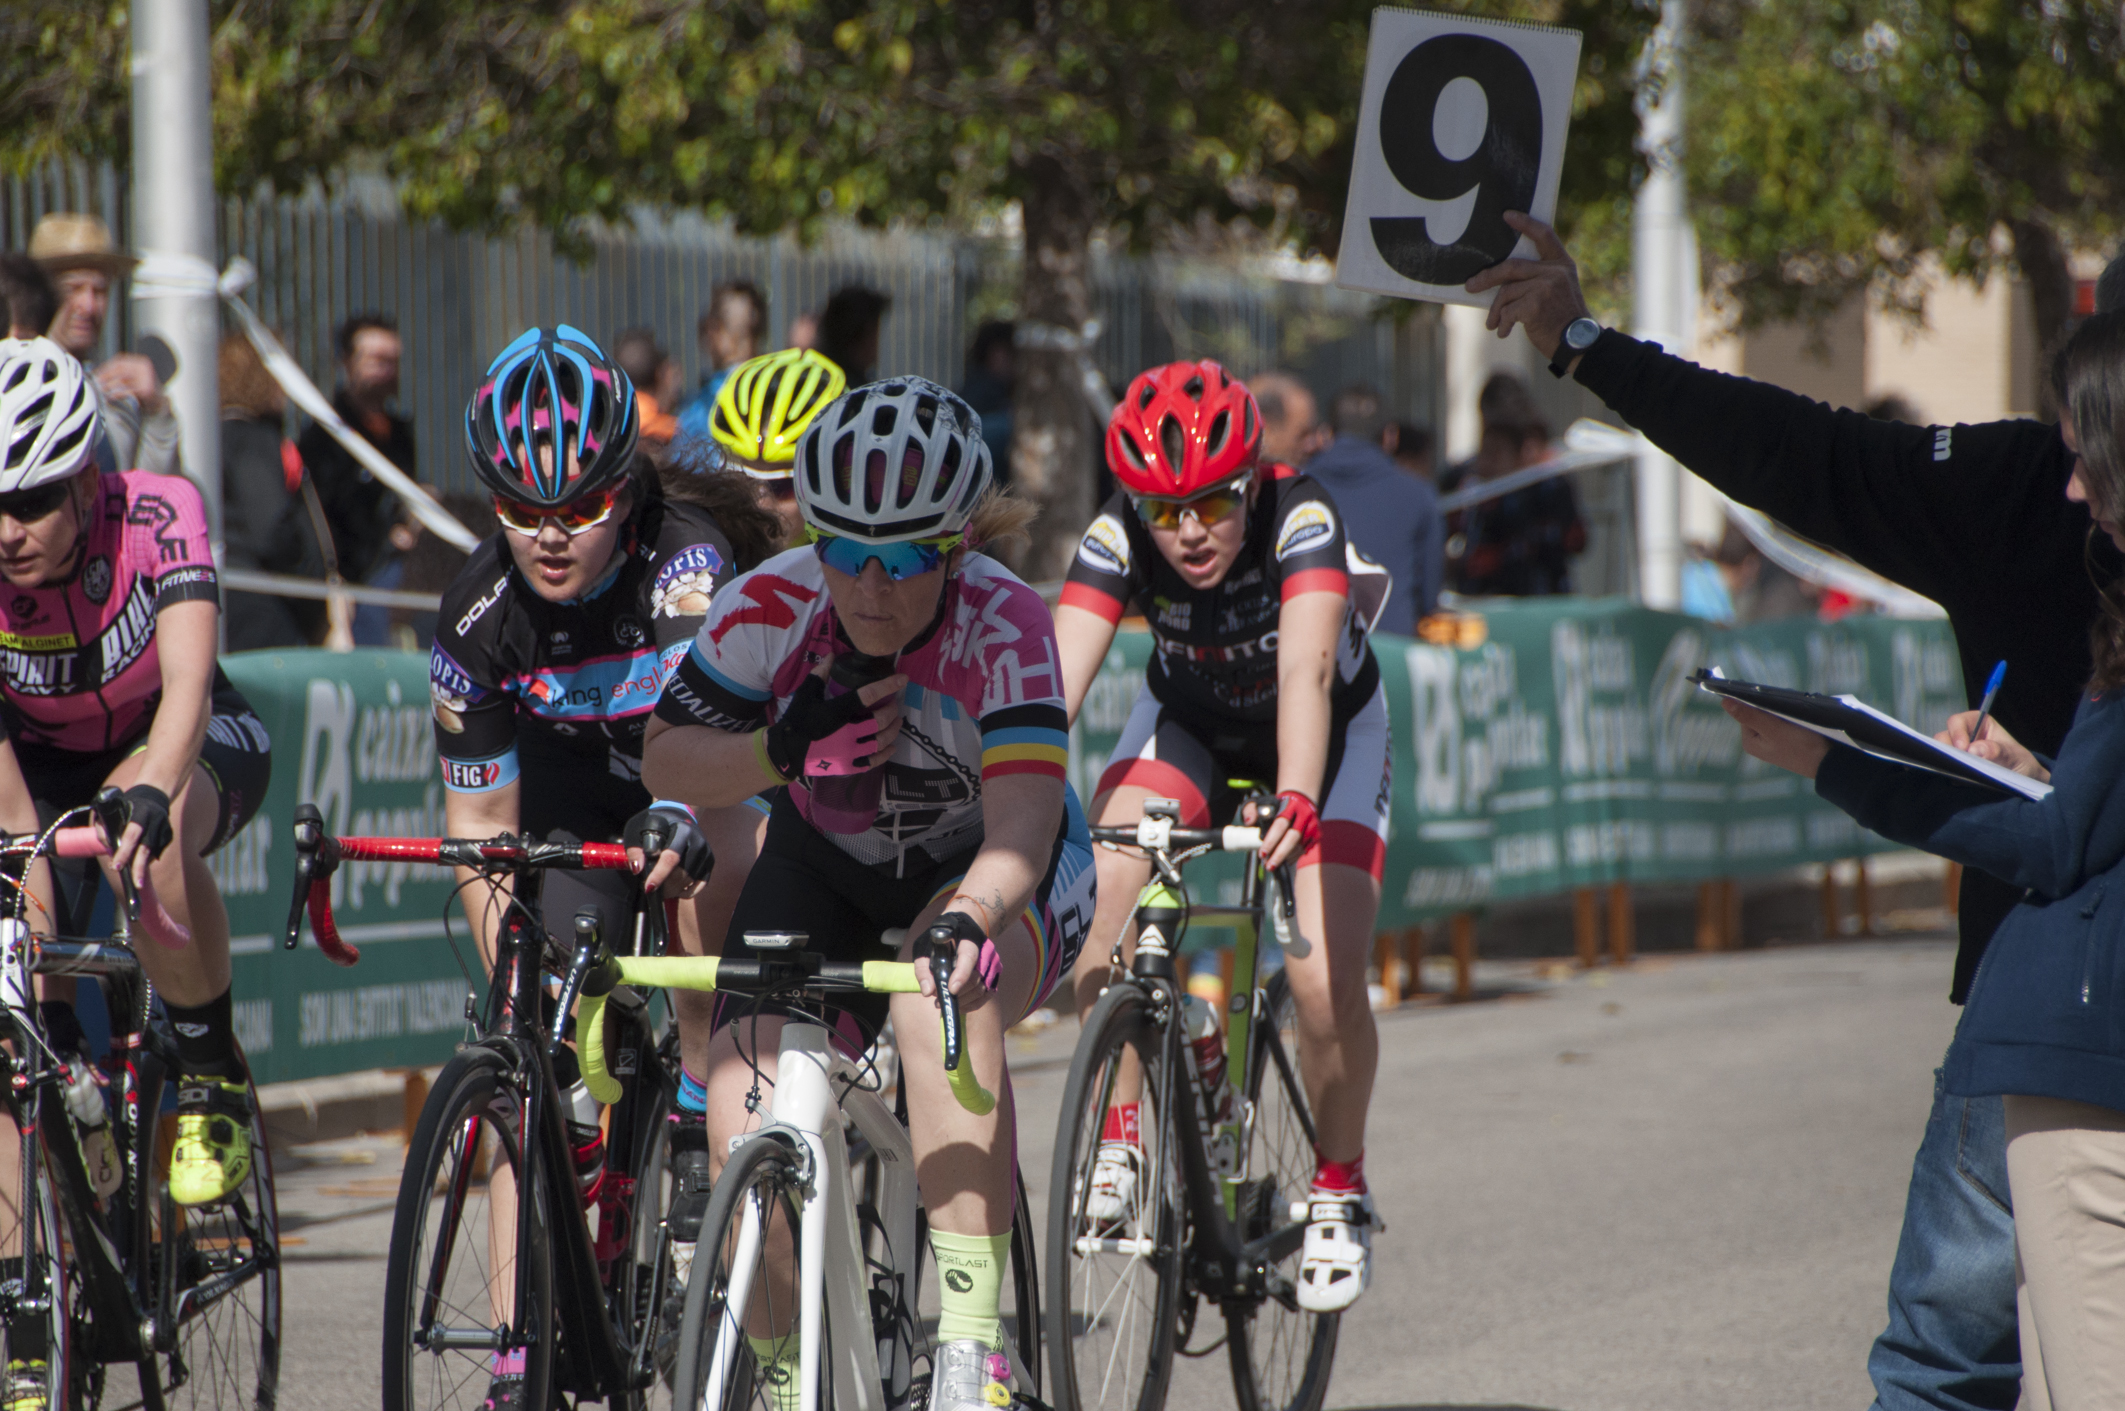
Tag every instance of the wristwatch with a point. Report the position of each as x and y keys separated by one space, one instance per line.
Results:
x=1579 y=335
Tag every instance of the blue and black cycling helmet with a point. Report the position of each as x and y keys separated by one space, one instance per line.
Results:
x=552 y=389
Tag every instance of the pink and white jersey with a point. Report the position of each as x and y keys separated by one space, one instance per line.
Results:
x=80 y=667
x=984 y=695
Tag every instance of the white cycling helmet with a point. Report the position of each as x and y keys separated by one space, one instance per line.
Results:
x=891 y=461
x=49 y=413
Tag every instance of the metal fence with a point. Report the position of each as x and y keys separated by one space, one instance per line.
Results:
x=458 y=298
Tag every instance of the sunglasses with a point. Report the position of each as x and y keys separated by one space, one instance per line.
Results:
x=1210 y=507
x=29 y=506
x=573 y=517
x=903 y=560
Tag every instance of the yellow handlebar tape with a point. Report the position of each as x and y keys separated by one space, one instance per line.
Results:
x=689 y=972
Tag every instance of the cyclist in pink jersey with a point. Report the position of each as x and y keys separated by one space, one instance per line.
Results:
x=110 y=625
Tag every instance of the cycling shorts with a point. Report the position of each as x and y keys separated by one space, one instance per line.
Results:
x=237 y=756
x=803 y=882
x=1195 y=762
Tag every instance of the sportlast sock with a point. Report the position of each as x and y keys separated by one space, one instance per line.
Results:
x=693 y=1094
x=970 y=1286
x=206 y=1037
x=775 y=1361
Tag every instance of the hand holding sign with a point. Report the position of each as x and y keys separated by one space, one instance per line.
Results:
x=1463 y=120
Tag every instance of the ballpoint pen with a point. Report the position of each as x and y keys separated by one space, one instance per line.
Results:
x=1984 y=707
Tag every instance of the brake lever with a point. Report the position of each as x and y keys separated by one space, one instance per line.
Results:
x=944 y=958
x=113 y=813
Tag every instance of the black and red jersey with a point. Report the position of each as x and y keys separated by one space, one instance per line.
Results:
x=1216 y=653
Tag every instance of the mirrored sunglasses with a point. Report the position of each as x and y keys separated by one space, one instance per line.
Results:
x=903 y=560
x=573 y=517
x=1208 y=508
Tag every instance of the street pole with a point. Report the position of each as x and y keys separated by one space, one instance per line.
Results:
x=173 y=226
x=1657 y=250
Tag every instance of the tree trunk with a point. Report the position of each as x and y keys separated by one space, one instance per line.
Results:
x=1053 y=438
x=2051 y=289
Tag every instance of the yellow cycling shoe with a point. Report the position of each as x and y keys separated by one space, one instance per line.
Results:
x=212 y=1154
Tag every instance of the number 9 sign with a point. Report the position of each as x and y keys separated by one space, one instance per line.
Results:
x=1463 y=120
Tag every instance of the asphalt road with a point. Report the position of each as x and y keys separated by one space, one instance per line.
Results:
x=1672 y=1187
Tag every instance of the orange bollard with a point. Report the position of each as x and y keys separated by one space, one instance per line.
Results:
x=1586 y=927
x=1464 y=943
x=1622 y=935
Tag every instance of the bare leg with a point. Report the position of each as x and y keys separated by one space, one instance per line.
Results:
x=735 y=834
x=200 y=971
x=1339 y=1048
x=732 y=1055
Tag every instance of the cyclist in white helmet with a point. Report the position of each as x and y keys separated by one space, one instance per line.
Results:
x=906 y=687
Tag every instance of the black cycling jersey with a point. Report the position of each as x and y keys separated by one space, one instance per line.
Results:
x=1216 y=654
x=573 y=682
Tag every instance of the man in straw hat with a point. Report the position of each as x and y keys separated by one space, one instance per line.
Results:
x=139 y=426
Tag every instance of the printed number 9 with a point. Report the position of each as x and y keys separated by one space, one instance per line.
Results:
x=1502 y=169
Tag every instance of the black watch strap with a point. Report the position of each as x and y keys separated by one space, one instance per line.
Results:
x=1561 y=363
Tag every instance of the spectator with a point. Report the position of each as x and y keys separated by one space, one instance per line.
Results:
x=1760 y=590
x=645 y=362
x=1975 y=518
x=139 y=428
x=1290 y=421
x=848 y=330
x=266 y=522
x=1411 y=446
x=804 y=331
x=730 y=331
x=1390 y=516
x=360 y=509
x=992 y=377
x=28 y=300
x=1520 y=544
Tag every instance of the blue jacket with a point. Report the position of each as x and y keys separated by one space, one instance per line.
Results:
x=1392 y=515
x=2046 y=1016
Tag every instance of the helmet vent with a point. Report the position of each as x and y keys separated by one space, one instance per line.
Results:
x=874 y=468
x=1174 y=442
x=844 y=469
x=911 y=463
x=1220 y=425
x=1147 y=395
x=884 y=419
x=1129 y=447
x=1193 y=388
x=947 y=476
x=926 y=414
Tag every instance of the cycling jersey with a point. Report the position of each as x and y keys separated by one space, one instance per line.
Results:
x=571 y=683
x=78 y=665
x=984 y=695
x=1216 y=657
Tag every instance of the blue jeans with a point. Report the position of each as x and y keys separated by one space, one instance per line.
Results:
x=1951 y=1342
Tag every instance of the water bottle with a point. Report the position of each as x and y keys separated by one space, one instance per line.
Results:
x=587 y=1138
x=92 y=1119
x=848 y=803
x=1207 y=1043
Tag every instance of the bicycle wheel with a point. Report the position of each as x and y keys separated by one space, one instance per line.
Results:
x=1281 y=1355
x=1115 y=1295
x=34 y=1267
x=743 y=1285
x=221 y=1264
x=451 y=1271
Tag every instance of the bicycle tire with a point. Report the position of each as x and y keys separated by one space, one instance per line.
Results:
x=467 y=1130
x=762 y=1175
x=39 y=1245
x=1126 y=1328
x=1281 y=1355
x=227 y=1350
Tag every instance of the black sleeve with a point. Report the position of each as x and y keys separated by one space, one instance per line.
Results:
x=1919 y=505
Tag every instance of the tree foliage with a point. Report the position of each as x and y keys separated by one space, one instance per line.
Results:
x=1834 y=145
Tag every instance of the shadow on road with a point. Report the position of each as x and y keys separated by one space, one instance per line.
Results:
x=1455 y=1406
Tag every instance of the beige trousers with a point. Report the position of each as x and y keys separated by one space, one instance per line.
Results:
x=2066 y=1171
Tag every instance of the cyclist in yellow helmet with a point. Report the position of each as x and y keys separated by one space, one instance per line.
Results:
x=760 y=414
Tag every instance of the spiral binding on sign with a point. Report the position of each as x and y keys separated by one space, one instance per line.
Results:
x=1478 y=21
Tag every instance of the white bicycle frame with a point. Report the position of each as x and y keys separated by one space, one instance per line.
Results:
x=832 y=1271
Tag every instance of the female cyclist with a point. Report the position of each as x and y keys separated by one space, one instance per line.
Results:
x=932 y=794
x=760 y=414
x=553 y=644
x=1262 y=671
x=111 y=628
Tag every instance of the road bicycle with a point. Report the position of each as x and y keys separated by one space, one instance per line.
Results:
x=586 y=1307
x=829 y=1183
x=98 y=1265
x=1218 y=1208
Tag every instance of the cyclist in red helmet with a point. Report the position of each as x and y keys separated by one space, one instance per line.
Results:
x=1260 y=611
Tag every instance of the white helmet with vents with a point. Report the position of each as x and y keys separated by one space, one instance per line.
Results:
x=49 y=414
x=893 y=460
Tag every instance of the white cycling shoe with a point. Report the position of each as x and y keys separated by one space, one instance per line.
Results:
x=967 y=1376
x=1335 y=1266
x=1112 y=1196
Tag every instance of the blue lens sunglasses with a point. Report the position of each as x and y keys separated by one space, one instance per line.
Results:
x=902 y=560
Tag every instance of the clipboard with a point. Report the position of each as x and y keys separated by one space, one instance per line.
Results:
x=1851 y=721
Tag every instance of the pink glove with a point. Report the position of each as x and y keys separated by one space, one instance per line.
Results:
x=846 y=751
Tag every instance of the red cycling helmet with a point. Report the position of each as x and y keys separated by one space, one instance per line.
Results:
x=1183 y=429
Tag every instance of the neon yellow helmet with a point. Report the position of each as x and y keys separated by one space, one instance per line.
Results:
x=765 y=404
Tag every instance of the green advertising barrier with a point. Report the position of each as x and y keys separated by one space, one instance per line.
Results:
x=351 y=734
x=1569 y=749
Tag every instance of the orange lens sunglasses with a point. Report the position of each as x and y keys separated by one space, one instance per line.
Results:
x=573 y=517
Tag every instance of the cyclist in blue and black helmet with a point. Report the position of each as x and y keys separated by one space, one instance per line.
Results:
x=553 y=647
